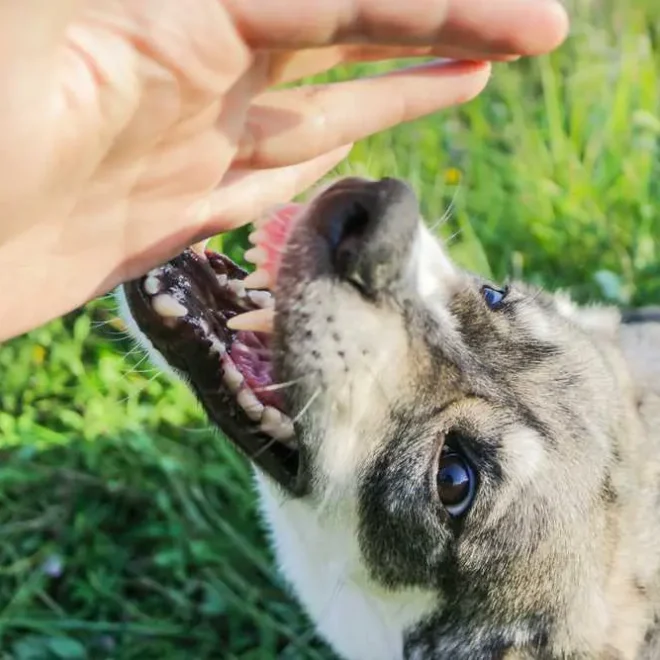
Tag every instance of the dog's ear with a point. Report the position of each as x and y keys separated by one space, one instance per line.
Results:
x=596 y=320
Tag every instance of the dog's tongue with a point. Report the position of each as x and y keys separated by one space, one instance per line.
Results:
x=269 y=240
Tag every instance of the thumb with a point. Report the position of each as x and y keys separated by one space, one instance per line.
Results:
x=244 y=195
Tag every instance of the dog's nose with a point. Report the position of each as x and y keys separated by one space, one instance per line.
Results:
x=369 y=227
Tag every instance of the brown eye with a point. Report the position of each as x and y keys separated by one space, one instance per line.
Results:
x=456 y=483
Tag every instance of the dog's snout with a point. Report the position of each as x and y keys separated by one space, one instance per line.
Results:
x=369 y=228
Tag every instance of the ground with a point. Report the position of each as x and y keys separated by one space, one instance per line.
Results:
x=128 y=528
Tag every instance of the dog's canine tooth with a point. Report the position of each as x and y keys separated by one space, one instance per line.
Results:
x=167 y=306
x=259 y=320
x=259 y=279
x=271 y=419
x=151 y=285
x=231 y=376
x=264 y=299
x=251 y=405
x=286 y=429
x=256 y=255
x=276 y=424
x=237 y=287
x=200 y=247
x=222 y=279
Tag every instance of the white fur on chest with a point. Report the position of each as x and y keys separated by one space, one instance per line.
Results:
x=320 y=559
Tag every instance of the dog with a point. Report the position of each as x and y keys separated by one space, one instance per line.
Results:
x=449 y=468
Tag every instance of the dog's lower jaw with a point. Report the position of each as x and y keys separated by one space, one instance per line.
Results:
x=319 y=558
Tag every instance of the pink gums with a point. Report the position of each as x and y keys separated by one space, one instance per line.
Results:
x=252 y=358
x=275 y=230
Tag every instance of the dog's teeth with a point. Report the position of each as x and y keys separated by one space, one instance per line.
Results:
x=259 y=320
x=262 y=298
x=275 y=424
x=251 y=405
x=222 y=279
x=271 y=419
x=165 y=305
x=232 y=377
x=256 y=255
x=259 y=279
x=257 y=237
x=237 y=287
x=200 y=247
x=151 y=285
x=286 y=429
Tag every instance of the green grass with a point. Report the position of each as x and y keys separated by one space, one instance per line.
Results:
x=128 y=528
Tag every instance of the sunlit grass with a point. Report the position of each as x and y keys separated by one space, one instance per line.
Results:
x=128 y=529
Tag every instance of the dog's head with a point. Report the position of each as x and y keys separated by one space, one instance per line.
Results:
x=476 y=445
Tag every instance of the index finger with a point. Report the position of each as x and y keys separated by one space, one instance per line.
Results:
x=520 y=27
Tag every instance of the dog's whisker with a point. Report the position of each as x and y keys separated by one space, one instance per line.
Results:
x=264 y=448
x=307 y=406
x=107 y=325
x=336 y=591
x=128 y=397
x=105 y=319
x=433 y=227
x=117 y=340
x=294 y=421
x=274 y=387
x=136 y=348
x=537 y=295
x=105 y=296
x=280 y=386
x=135 y=367
x=452 y=237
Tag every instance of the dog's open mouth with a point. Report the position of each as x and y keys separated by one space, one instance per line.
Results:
x=213 y=323
x=184 y=308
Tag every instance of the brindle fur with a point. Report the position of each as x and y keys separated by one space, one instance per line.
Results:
x=560 y=562
x=558 y=408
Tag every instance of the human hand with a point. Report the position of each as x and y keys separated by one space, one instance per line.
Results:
x=131 y=129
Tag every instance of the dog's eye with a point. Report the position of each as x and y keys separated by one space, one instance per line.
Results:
x=456 y=483
x=493 y=297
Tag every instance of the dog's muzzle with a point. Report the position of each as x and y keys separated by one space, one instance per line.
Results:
x=357 y=233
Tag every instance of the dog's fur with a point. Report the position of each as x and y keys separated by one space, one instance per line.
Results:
x=558 y=409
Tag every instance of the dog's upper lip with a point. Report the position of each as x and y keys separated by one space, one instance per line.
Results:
x=182 y=307
x=357 y=231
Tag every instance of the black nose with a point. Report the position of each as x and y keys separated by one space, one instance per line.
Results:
x=369 y=227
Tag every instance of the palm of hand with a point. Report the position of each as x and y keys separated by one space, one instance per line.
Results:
x=146 y=126
x=138 y=135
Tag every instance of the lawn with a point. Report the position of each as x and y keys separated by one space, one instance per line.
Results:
x=128 y=527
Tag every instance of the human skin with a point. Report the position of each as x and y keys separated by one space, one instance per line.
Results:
x=133 y=128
